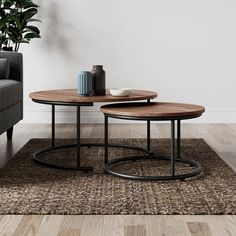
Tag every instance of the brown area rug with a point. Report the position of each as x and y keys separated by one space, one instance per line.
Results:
x=28 y=188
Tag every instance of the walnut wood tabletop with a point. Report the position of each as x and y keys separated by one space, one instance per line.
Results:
x=154 y=109
x=71 y=96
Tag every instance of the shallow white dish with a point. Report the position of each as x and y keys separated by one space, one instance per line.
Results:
x=120 y=92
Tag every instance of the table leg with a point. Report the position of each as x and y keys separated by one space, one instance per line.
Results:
x=172 y=147
x=148 y=131
x=79 y=145
x=78 y=136
x=148 y=135
x=106 y=139
x=53 y=125
x=178 y=139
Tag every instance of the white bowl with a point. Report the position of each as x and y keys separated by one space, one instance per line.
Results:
x=120 y=92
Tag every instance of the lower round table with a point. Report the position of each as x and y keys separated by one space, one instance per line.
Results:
x=156 y=111
x=70 y=97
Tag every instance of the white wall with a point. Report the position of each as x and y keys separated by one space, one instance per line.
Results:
x=185 y=50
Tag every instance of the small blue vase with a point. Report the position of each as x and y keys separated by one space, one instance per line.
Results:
x=85 y=83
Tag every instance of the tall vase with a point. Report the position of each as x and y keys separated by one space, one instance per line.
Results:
x=99 y=80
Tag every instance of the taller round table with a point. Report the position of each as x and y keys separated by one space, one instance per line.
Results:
x=70 y=97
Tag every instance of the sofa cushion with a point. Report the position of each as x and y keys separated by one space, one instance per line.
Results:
x=4 y=68
x=15 y=60
x=11 y=93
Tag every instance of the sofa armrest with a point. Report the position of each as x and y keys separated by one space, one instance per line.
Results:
x=16 y=64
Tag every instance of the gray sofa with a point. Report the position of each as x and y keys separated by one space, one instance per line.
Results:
x=11 y=91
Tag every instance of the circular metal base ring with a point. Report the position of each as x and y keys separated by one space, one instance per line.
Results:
x=45 y=151
x=123 y=160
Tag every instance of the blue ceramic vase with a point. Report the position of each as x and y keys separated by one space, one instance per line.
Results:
x=85 y=83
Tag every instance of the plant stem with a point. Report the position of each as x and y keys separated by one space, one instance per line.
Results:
x=15 y=47
x=18 y=47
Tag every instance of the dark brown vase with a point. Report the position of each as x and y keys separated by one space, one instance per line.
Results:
x=99 y=80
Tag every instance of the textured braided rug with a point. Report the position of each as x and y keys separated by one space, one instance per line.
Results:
x=28 y=188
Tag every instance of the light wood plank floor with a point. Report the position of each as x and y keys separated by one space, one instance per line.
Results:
x=221 y=137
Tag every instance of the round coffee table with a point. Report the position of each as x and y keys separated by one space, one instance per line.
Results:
x=155 y=111
x=69 y=97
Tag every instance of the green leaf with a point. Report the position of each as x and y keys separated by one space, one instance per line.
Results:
x=34 y=20
x=8 y=3
x=2 y=22
x=29 y=13
x=3 y=38
x=24 y=4
x=31 y=36
x=14 y=31
x=2 y=12
x=34 y=29
x=30 y=4
x=17 y=22
x=24 y=41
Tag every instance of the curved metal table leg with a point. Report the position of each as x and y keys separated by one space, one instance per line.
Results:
x=47 y=150
x=124 y=160
x=77 y=145
x=172 y=159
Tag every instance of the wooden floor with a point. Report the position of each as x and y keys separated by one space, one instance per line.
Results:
x=221 y=137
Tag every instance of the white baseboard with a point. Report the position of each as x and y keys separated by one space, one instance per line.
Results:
x=93 y=115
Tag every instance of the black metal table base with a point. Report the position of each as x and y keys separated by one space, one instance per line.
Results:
x=123 y=160
x=175 y=151
x=45 y=151
x=37 y=156
x=175 y=148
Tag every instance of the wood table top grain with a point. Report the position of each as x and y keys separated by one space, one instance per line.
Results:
x=154 y=109
x=71 y=96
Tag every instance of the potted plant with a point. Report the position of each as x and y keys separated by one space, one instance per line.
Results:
x=16 y=23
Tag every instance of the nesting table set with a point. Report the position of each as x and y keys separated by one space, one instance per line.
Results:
x=125 y=109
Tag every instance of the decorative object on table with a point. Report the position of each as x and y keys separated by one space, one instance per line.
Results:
x=99 y=80
x=15 y=25
x=97 y=193
x=120 y=92
x=85 y=83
